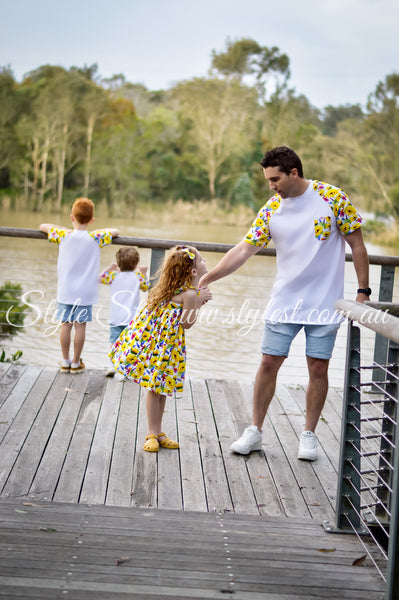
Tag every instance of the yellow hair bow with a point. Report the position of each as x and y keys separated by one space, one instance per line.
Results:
x=187 y=250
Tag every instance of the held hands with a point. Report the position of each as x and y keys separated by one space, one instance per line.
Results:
x=204 y=295
x=143 y=270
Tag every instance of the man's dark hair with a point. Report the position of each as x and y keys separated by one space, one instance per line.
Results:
x=284 y=158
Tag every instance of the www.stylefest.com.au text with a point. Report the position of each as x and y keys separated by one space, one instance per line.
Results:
x=244 y=318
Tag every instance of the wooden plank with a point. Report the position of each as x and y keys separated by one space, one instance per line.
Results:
x=16 y=397
x=322 y=467
x=278 y=463
x=217 y=490
x=144 y=488
x=317 y=502
x=4 y=367
x=39 y=430
x=10 y=374
x=169 y=476
x=73 y=467
x=192 y=479
x=95 y=481
x=121 y=471
x=239 y=482
x=16 y=435
x=266 y=495
x=49 y=469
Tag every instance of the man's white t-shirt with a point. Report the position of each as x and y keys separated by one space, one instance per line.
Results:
x=307 y=232
x=78 y=264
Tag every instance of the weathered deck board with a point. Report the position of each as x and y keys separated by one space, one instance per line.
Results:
x=72 y=549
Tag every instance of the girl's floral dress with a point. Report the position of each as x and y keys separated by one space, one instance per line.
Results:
x=152 y=350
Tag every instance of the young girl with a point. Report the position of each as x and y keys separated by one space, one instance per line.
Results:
x=151 y=350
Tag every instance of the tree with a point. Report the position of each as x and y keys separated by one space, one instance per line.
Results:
x=245 y=57
x=333 y=115
x=9 y=112
x=222 y=121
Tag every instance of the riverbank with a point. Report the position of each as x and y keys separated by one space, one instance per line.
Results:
x=197 y=212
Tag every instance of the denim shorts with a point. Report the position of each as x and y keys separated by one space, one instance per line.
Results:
x=74 y=312
x=115 y=331
x=320 y=339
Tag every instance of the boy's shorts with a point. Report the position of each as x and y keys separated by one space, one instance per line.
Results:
x=320 y=339
x=115 y=331
x=73 y=312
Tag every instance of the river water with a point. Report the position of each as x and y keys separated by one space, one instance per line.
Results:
x=225 y=343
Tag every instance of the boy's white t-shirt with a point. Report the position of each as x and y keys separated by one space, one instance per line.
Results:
x=125 y=294
x=308 y=233
x=78 y=264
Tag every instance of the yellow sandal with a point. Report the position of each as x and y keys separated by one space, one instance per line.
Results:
x=151 y=443
x=167 y=442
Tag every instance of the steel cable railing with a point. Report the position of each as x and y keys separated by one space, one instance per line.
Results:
x=367 y=495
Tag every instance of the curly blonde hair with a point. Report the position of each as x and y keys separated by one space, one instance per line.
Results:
x=175 y=273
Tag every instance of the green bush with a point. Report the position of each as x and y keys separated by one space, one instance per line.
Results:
x=12 y=310
x=10 y=359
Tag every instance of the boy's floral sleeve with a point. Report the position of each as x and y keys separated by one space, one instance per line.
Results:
x=56 y=234
x=144 y=281
x=102 y=237
x=107 y=277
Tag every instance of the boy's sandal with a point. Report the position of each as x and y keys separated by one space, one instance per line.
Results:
x=166 y=442
x=151 y=443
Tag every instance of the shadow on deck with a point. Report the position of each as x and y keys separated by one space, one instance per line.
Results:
x=238 y=527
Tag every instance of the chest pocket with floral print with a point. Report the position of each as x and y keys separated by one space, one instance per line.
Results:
x=322 y=228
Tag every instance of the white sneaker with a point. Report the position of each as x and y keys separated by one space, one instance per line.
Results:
x=250 y=440
x=307 y=446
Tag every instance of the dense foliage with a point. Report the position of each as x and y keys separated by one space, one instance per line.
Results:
x=65 y=133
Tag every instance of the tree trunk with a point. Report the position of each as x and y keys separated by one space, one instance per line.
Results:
x=61 y=167
x=90 y=128
x=43 y=173
x=35 y=163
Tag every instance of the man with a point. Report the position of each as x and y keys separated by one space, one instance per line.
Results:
x=308 y=222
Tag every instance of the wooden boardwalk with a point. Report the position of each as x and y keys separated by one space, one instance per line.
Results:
x=67 y=442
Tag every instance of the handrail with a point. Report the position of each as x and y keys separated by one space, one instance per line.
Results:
x=140 y=242
x=378 y=320
x=374 y=259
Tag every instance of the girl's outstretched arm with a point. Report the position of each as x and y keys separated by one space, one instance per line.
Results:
x=192 y=302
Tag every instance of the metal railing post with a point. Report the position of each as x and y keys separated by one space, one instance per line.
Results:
x=157 y=256
x=348 y=495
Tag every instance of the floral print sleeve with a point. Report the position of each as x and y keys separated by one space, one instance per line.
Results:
x=107 y=277
x=347 y=218
x=56 y=234
x=144 y=281
x=102 y=237
x=259 y=234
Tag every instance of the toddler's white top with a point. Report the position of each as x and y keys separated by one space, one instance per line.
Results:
x=125 y=294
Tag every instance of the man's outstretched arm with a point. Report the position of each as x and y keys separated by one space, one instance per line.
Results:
x=230 y=262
